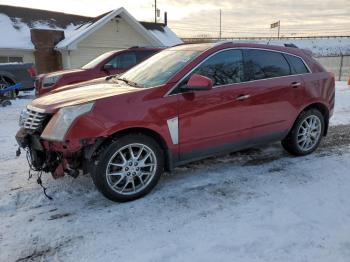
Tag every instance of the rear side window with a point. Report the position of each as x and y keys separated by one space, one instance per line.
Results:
x=123 y=61
x=261 y=64
x=297 y=64
x=223 y=68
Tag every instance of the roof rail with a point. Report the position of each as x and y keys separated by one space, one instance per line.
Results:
x=136 y=46
x=278 y=44
x=223 y=42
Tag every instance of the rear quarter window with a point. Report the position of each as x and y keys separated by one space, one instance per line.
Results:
x=261 y=64
x=297 y=64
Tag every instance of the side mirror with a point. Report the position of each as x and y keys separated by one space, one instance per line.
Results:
x=107 y=67
x=199 y=83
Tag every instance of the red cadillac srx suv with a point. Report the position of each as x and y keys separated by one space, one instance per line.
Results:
x=183 y=104
x=110 y=63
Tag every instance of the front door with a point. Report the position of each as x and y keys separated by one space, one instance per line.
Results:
x=210 y=121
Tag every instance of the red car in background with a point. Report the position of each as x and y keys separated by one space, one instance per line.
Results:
x=110 y=63
x=183 y=104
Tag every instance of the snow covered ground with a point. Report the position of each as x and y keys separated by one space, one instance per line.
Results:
x=318 y=46
x=256 y=205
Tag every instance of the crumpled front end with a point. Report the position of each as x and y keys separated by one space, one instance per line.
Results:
x=57 y=157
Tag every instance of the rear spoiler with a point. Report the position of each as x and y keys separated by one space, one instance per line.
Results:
x=306 y=51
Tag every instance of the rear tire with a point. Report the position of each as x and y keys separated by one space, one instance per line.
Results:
x=128 y=168
x=306 y=134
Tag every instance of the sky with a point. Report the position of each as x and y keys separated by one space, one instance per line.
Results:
x=196 y=18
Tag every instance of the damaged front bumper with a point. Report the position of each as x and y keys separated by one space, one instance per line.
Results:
x=57 y=158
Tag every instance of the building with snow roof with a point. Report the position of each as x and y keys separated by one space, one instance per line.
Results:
x=54 y=40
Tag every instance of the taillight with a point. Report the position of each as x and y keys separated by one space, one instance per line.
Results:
x=332 y=75
x=32 y=72
x=349 y=81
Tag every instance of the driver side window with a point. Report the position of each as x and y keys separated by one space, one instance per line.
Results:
x=225 y=67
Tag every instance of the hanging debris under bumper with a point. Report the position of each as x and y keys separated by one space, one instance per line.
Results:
x=57 y=158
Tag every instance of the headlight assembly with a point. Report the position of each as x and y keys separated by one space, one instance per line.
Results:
x=59 y=124
x=50 y=80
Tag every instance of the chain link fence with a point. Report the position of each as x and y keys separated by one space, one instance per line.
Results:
x=339 y=65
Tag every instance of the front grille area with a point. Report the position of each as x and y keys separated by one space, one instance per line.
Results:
x=32 y=118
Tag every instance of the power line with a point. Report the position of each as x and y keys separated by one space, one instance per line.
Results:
x=243 y=26
x=253 y=30
x=304 y=31
x=213 y=27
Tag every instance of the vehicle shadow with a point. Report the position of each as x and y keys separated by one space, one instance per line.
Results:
x=217 y=177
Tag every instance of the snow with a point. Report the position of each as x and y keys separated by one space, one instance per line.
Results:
x=11 y=63
x=19 y=37
x=167 y=37
x=18 y=33
x=15 y=38
x=72 y=36
x=88 y=28
x=256 y=205
x=318 y=46
x=342 y=104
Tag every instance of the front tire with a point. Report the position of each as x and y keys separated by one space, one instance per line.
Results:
x=4 y=83
x=306 y=134
x=128 y=168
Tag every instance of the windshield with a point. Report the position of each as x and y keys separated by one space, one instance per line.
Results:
x=97 y=60
x=158 y=69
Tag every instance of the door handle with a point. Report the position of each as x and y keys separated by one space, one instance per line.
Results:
x=295 y=84
x=242 y=97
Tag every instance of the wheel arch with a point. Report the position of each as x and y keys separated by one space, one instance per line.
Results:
x=324 y=111
x=135 y=130
x=8 y=76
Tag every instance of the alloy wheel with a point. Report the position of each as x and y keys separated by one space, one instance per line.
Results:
x=309 y=133
x=131 y=169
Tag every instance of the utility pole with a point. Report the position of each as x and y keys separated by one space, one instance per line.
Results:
x=341 y=66
x=155 y=11
x=279 y=28
x=220 y=25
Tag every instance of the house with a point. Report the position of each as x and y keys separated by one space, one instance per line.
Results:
x=54 y=40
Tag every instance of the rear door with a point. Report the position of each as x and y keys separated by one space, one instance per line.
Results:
x=275 y=91
x=299 y=68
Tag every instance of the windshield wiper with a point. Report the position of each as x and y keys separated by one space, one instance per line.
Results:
x=130 y=83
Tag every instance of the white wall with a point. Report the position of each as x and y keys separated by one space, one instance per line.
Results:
x=111 y=36
x=28 y=56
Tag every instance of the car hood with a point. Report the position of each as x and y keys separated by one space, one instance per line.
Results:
x=101 y=80
x=54 y=101
x=62 y=72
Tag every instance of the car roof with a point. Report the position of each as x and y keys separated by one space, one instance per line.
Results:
x=134 y=48
x=195 y=47
x=231 y=44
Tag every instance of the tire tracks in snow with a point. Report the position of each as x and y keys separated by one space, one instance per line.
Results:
x=337 y=138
